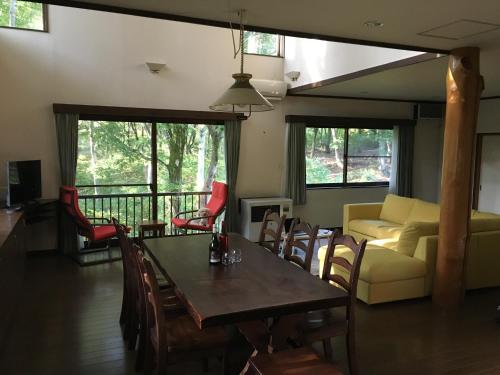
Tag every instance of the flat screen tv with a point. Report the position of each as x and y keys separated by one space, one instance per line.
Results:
x=24 y=182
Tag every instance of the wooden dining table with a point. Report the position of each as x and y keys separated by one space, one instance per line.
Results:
x=261 y=286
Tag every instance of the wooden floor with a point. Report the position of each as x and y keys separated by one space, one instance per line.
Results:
x=67 y=324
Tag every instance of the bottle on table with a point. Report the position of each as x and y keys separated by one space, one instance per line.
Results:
x=214 y=249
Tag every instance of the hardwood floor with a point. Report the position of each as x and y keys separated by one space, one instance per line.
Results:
x=67 y=324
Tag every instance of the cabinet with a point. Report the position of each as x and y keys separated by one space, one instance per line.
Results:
x=12 y=258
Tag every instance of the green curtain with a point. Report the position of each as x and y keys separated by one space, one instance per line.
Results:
x=232 y=136
x=67 y=143
x=401 y=182
x=295 y=170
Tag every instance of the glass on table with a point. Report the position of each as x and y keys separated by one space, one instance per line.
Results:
x=236 y=255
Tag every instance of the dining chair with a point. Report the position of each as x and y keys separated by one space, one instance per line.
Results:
x=303 y=361
x=271 y=220
x=132 y=310
x=174 y=337
x=322 y=325
x=301 y=237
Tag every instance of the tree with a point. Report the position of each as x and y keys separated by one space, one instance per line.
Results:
x=216 y=134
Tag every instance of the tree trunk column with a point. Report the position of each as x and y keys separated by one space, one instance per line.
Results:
x=464 y=85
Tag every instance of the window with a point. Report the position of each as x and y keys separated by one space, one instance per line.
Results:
x=23 y=15
x=348 y=156
x=124 y=171
x=263 y=44
x=117 y=157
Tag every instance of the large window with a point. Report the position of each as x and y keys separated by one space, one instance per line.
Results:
x=118 y=157
x=23 y=15
x=263 y=44
x=348 y=156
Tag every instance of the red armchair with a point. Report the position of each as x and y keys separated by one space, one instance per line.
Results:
x=216 y=205
x=104 y=231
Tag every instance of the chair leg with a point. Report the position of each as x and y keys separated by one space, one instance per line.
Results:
x=351 y=353
x=148 y=360
x=327 y=348
x=141 y=347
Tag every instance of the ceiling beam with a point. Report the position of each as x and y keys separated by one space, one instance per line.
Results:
x=207 y=22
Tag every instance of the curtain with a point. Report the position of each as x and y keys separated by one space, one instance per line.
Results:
x=295 y=163
x=401 y=182
x=67 y=143
x=232 y=135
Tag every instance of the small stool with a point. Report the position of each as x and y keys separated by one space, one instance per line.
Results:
x=155 y=226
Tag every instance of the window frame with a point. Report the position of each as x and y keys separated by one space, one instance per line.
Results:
x=347 y=123
x=45 y=16
x=281 y=46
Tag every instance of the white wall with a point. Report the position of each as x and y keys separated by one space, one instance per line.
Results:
x=489 y=116
x=317 y=60
x=98 y=59
x=427 y=159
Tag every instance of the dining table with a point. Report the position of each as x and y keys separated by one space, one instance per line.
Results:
x=261 y=286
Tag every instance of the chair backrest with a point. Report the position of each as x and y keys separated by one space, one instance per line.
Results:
x=130 y=268
x=351 y=285
x=297 y=235
x=68 y=196
x=265 y=231
x=156 y=321
x=217 y=201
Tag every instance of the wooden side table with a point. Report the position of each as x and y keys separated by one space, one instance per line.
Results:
x=155 y=226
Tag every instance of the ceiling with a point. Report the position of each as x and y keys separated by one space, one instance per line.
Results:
x=406 y=23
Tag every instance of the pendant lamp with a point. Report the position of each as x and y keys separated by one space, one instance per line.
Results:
x=241 y=96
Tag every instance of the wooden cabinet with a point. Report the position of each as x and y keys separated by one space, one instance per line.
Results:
x=12 y=258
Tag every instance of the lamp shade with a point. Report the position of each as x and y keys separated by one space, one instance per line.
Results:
x=241 y=97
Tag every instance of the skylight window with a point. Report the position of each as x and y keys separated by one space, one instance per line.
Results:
x=23 y=15
x=263 y=44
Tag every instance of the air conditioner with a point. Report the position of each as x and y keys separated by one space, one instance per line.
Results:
x=270 y=89
x=252 y=213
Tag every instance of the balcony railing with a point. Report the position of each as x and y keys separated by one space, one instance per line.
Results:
x=132 y=208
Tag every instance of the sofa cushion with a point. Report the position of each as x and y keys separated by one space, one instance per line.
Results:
x=396 y=209
x=376 y=228
x=381 y=265
x=485 y=225
x=411 y=233
x=424 y=212
x=483 y=215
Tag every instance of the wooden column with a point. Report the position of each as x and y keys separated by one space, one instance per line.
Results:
x=464 y=85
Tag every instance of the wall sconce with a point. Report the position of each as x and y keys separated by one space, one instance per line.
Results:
x=293 y=75
x=155 y=67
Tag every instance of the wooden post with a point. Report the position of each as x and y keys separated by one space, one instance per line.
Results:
x=464 y=85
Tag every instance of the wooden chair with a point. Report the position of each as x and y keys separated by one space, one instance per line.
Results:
x=132 y=314
x=324 y=324
x=265 y=231
x=301 y=361
x=174 y=337
x=300 y=232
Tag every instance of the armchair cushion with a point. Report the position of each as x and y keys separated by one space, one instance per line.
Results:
x=376 y=228
x=396 y=209
x=183 y=223
x=103 y=232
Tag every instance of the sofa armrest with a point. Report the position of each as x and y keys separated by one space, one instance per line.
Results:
x=426 y=251
x=369 y=211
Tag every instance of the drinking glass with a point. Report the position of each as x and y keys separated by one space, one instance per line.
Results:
x=236 y=255
x=227 y=258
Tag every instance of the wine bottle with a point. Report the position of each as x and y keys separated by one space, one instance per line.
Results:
x=214 y=250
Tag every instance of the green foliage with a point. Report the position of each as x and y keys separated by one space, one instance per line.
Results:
x=261 y=43
x=21 y=14
x=368 y=156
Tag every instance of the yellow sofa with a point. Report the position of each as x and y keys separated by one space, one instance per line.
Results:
x=400 y=259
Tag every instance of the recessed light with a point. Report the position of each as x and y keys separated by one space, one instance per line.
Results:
x=373 y=23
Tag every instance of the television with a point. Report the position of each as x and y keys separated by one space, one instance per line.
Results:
x=24 y=182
